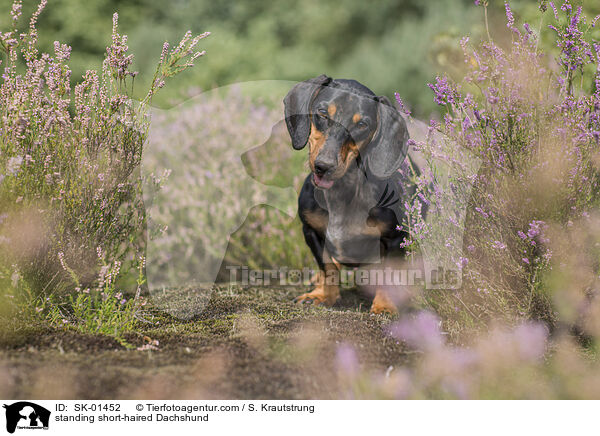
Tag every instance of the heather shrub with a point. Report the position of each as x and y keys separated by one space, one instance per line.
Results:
x=532 y=123
x=101 y=308
x=70 y=185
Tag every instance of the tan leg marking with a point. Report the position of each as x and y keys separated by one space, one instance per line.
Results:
x=383 y=304
x=327 y=290
x=316 y=220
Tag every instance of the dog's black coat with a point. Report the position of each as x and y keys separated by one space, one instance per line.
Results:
x=352 y=204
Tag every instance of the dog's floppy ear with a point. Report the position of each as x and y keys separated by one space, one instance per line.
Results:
x=389 y=145
x=297 y=103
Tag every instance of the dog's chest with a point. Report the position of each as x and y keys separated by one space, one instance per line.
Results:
x=352 y=235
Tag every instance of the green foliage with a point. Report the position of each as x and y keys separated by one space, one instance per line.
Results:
x=390 y=45
x=102 y=309
x=70 y=188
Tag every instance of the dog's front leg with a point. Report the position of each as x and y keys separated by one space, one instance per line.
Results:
x=386 y=283
x=382 y=303
x=327 y=289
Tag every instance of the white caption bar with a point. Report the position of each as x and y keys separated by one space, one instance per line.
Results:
x=266 y=417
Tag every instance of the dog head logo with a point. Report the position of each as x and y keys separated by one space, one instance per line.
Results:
x=26 y=415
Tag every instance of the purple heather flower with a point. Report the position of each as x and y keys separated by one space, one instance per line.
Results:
x=509 y=16
x=566 y=6
x=421 y=331
x=62 y=51
x=499 y=245
x=482 y=212
x=401 y=105
x=554 y=10
x=531 y=340
x=347 y=359
x=575 y=50
x=445 y=92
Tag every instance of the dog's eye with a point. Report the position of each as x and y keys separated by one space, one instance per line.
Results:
x=362 y=125
x=323 y=113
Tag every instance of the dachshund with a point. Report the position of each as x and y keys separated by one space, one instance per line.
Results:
x=353 y=203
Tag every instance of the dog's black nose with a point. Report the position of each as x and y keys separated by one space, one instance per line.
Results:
x=321 y=167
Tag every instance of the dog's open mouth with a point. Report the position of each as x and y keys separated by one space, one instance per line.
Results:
x=322 y=182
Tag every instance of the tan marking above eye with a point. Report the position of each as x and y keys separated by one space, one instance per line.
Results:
x=356 y=118
x=331 y=109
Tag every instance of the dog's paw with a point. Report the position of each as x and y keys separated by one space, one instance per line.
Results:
x=316 y=297
x=383 y=304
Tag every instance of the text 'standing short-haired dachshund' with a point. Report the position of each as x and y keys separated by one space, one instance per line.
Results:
x=352 y=205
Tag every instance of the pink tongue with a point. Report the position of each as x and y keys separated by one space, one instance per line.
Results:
x=322 y=183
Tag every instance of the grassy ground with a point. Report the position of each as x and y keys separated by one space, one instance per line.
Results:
x=246 y=343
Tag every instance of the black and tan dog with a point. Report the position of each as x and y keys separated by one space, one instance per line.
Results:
x=352 y=205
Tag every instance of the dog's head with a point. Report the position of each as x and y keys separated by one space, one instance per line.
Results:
x=344 y=122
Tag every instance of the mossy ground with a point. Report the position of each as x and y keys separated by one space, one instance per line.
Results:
x=232 y=343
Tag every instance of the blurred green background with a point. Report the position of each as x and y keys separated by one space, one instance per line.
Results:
x=390 y=45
